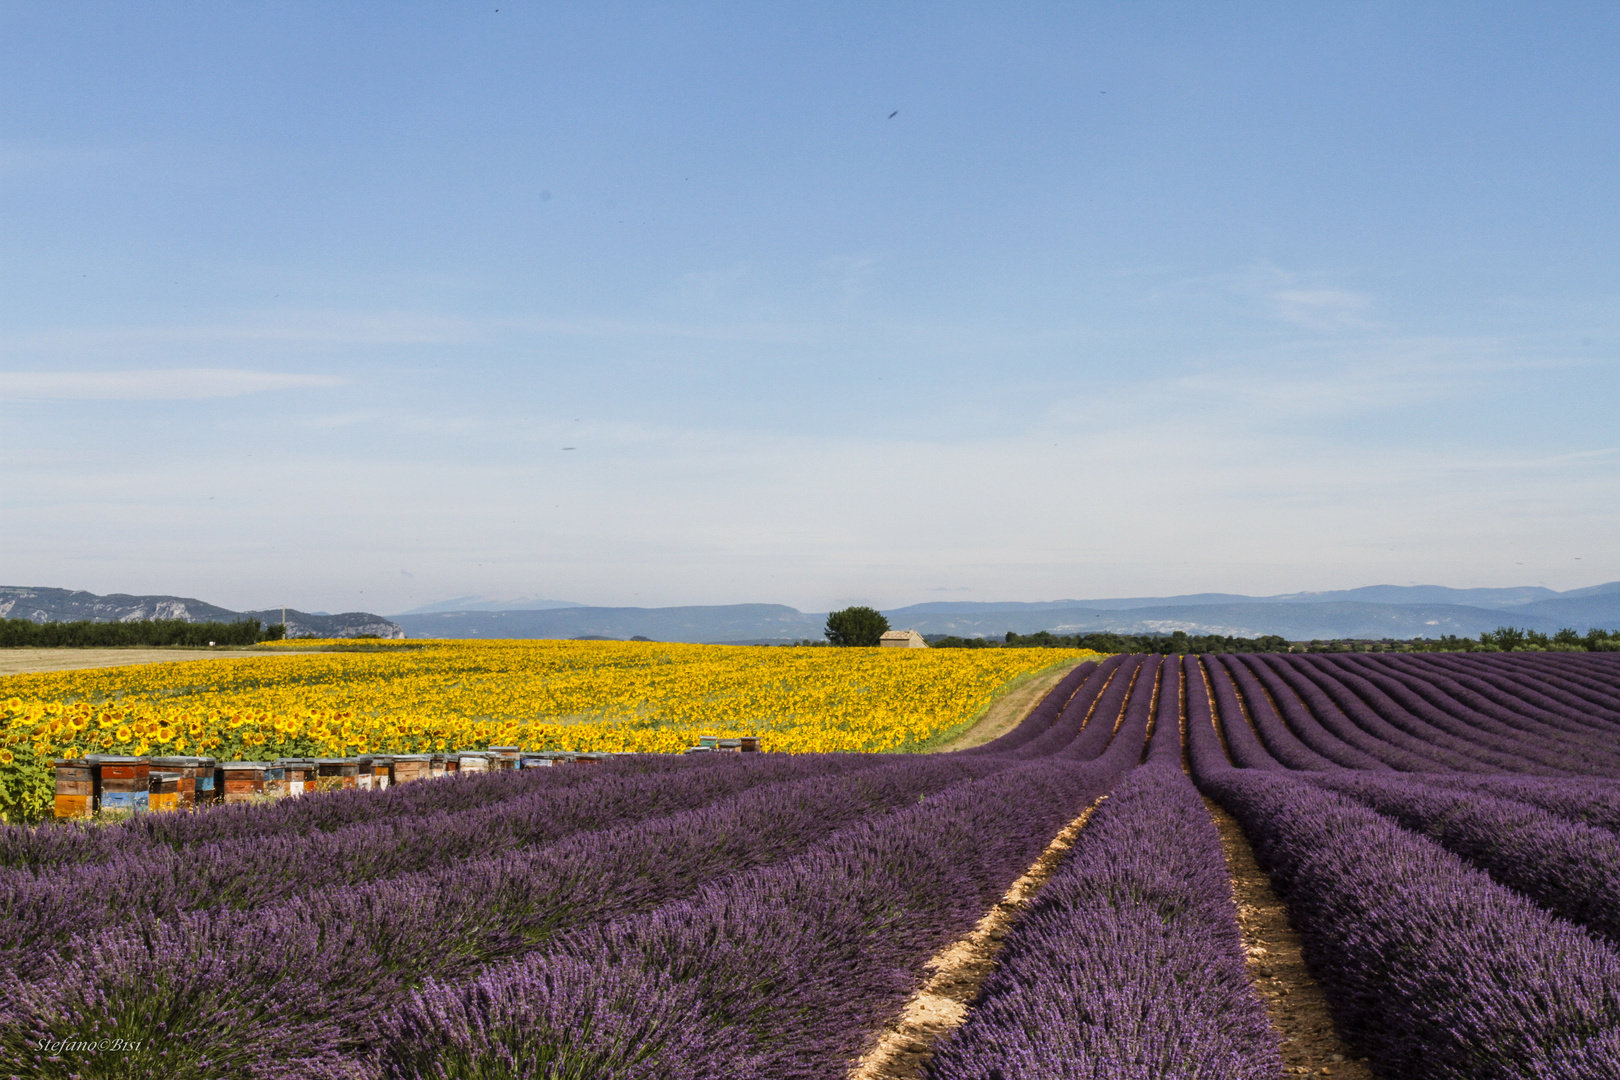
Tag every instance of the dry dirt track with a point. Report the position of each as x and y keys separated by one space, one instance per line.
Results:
x=25 y=661
x=1005 y=712
x=1298 y=1010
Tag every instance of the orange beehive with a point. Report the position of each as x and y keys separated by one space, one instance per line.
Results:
x=244 y=780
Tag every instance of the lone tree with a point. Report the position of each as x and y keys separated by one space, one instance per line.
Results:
x=856 y=626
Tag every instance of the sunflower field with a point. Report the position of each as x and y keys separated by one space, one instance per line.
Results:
x=418 y=697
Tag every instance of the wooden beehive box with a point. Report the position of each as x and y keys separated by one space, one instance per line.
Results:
x=298 y=774
x=121 y=783
x=473 y=761
x=75 y=790
x=209 y=786
x=244 y=780
x=163 y=790
x=506 y=757
x=275 y=780
x=410 y=767
x=345 y=770
x=186 y=768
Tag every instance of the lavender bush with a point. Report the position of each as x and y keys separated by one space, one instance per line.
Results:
x=1432 y=969
x=1130 y=964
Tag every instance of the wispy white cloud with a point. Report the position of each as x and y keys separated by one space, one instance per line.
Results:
x=318 y=329
x=1322 y=309
x=171 y=384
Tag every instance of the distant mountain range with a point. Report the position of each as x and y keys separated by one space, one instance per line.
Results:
x=65 y=605
x=484 y=603
x=1376 y=611
x=728 y=623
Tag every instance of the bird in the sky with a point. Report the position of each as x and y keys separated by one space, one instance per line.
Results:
x=894 y=114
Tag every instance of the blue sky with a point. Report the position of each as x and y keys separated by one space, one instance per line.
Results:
x=367 y=306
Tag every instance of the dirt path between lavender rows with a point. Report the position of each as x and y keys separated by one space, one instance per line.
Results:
x=1299 y=1012
x=901 y=1049
x=31 y=661
x=1009 y=710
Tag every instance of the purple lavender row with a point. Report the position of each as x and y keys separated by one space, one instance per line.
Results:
x=1486 y=749
x=1206 y=749
x=1572 y=870
x=1494 y=684
x=1563 y=745
x=1049 y=708
x=1583 y=799
x=778 y=975
x=1242 y=741
x=1165 y=740
x=1564 y=683
x=283 y=989
x=1129 y=964
x=247 y=873
x=1593 y=678
x=1421 y=725
x=56 y=843
x=1100 y=699
x=1499 y=684
x=1446 y=703
x=1303 y=724
x=1432 y=970
x=1481 y=712
x=1335 y=706
x=1383 y=721
x=1231 y=679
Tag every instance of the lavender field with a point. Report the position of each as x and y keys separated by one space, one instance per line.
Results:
x=1441 y=829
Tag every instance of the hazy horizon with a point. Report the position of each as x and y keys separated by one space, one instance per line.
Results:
x=364 y=307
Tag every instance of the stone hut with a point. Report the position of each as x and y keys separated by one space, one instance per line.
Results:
x=902 y=639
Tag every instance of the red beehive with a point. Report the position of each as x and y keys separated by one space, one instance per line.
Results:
x=244 y=780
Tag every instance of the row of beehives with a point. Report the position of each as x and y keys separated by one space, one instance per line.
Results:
x=706 y=743
x=109 y=784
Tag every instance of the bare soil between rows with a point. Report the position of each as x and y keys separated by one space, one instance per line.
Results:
x=1009 y=710
x=1298 y=1010
x=959 y=970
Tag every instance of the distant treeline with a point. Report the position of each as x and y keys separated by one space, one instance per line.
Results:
x=21 y=633
x=1181 y=643
x=1178 y=643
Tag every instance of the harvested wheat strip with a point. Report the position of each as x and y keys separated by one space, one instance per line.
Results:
x=1299 y=1012
x=959 y=969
